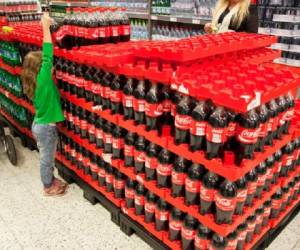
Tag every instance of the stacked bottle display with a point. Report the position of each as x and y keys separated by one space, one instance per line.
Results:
x=9 y=53
x=17 y=6
x=92 y=26
x=131 y=6
x=139 y=29
x=11 y=83
x=17 y=19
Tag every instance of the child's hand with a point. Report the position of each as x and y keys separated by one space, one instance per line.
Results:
x=208 y=28
x=46 y=20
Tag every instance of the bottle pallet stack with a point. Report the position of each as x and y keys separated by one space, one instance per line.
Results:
x=198 y=156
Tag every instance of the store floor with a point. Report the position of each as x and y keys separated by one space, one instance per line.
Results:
x=30 y=221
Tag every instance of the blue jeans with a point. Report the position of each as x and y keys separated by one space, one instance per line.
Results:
x=46 y=137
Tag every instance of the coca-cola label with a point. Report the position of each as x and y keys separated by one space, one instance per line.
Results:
x=277 y=167
x=198 y=128
x=246 y=135
x=164 y=169
x=252 y=187
x=88 y=85
x=281 y=119
x=285 y=197
x=124 y=30
x=102 y=32
x=70 y=117
x=73 y=152
x=287 y=160
x=96 y=88
x=78 y=81
x=231 y=129
x=116 y=95
x=151 y=162
x=276 y=204
x=272 y=124
x=77 y=121
x=241 y=195
x=289 y=114
x=119 y=184
x=99 y=133
x=139 y=200
x=267 y=212
x=107 y=138
x=91 y=129
x=216 y=135
x=263 y=129
x=225 y=204
x=175 y=225
x=153 y=109
x=94 y=167
x=232 y=244
x=242 y=235
x=129 y=193
x=128 y=101
x=138 y=105
x=83 y=124
x=161 y=215
x=129 y=150
x=201 y=243
x=150 y=207
x=259 y=219
x=251 y=226
x=173 y=110
x=187 y=234
x=92 y=33
x=79 y=157
x=207 y=194
x=261 y=180
x=114 y=31
x=192 y=186
x=106 y=92
x=58 y=74
x=269 y=174
x=183 y=122
x=167 y=104
x=139 y=156
x=86 y=161
x=178 y=178
x=117 y=143
x=109 y=178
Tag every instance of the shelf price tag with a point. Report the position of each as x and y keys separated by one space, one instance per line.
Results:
x=154 y=17
x=196 y=21
x=173 y=19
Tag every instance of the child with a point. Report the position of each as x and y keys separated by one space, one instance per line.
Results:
x=40 y=88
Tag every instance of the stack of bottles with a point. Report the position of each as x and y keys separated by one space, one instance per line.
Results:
x=87 y=26
x=28 y=19
x=139 y=6
x=11 y=83
x=139 y=29
x=17 y=6
x=9 y=53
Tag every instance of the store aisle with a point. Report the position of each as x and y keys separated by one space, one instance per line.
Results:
x=30 y=221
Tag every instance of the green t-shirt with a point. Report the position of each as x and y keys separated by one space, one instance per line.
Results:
x=46 y=97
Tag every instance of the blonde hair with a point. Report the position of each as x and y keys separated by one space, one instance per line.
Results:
x=238 y=18
x=31 y=68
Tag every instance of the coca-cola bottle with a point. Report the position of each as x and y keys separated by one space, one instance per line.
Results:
x=129 y=141
x=198 y=125
x=70 y=79
x=96 y=87
x=231 y=142
x=291 y=193
x=287 y=159
x=285 y=197
x=72 y=152
x=202 y=237
x=251 y=220
x=218 y=242
x=127 y=99
x=151 y=161
x=162 y=215
x=225 y=202
x=107 y=137
x=272 y=123
x=119 y=185
x=118 y=135
x=267 y=212
x=179 y=173
x=269 y=174
x=101 y=172
x=71 y=118
x=193 y=183
x=94 y=167
x=67 y=148
x=216 y=132
x=261 y=171
x=276 y=204
x=167 y=118
x=91 y=128
x=164 y=168
x=109 y=178
x=153 y=108
x=124 y=29
x=175 y=224
x=140 y=155
x=242 y=189
x=277 y=165
x=251 y=178
x=188 y=232
x=289 y=113
x=77 y=117
x=150 y=205
x=139 y=102
x=242 y=233
x=183 y=120
x=232 y=239
x=282 y=108
x=79 y=80
x=86 y=162
x=246 y=135
x=175 y=98
x=263 y=114
x=99 y=132
x=79 y=157
x=116 y=94
x=83 y=124
x=88 y=76
x=208 y=190
x=139 y=199
x=130 y=193
x=259 y=219
x=106 y=83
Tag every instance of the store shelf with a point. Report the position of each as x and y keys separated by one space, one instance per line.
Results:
x=137 y=15
x=287 y=61
x=286 y=47
x=174 y=19
x=69 y=4
x=286 y=18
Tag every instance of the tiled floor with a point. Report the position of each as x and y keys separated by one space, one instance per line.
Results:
x=30 y=221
